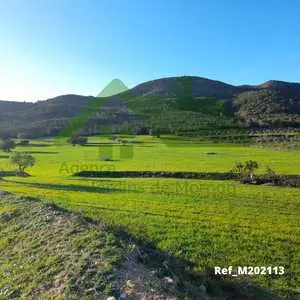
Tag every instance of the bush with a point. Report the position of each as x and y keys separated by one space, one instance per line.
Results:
x=250 y=166
x=78 y=140
x=142 y=130
x=156 y=132
x=123 y=141
x=7 y=145
x=245 y=170
x=270 y=173
x=113 y=138
x=24 y=143
x=106 y=158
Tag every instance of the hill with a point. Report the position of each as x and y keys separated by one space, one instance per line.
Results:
x=42 y=118
x=269 y=107
x=182 y=105
x=201 y=87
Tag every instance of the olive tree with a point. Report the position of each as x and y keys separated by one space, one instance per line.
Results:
x=22 y=160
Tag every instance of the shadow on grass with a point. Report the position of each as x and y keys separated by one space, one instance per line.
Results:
x=101 y=144
x=12 y=174
x=4 y=156
x=91 y=180
x=157 y=174
x=35 y=145
x=192 y=284
x=72 y=187
x=118 y=145
x=129 y=143
x=41 y=152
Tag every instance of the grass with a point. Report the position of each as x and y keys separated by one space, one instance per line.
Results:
x=49 y=254
x=204 y=222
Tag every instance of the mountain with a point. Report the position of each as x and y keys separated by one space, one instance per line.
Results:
x=290 y=89
x=183 y=105
x=42 y=118
x=269 y=105
x=201 y=87
x=204 y=87
x=116 y=86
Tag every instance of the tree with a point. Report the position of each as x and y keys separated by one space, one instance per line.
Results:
x=7 y=145
x=78 y=140
x=144 y=130
x=22 y=160
x=156 y=132
x=24 y=143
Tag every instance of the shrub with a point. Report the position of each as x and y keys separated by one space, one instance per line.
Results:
x=270 y=175
x=250 y=166
x=7 y=145
x=156 y=132
x=78 y=140
x=142 y=130
x=106 y=158
x=113 y=138
x=245 y=170
x=123 y=141
x=24 y=143
x=238 y=168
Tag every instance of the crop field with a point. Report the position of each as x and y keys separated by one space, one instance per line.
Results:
x=206 y=223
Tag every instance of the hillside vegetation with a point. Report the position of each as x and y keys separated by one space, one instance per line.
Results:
x=268 y=108
x=191 y=104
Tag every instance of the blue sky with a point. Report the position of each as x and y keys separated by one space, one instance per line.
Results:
x=54 y=47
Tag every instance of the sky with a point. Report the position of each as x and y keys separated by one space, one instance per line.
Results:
x=55 y=47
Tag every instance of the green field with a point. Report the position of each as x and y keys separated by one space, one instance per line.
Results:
x=205 y=222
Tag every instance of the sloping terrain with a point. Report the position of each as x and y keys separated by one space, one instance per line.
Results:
x=42 y=118
x=201 y=87
x=269 y=107
x=49 y=253
x=176 y=105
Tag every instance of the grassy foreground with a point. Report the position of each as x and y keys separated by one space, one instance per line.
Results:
x=204 y=222
x=49 y=253
x=46 y=253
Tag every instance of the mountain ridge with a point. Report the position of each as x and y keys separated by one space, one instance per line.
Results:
x=267 y=84
x=276 y=101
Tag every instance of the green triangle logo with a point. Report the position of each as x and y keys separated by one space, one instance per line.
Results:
x=116 y=86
